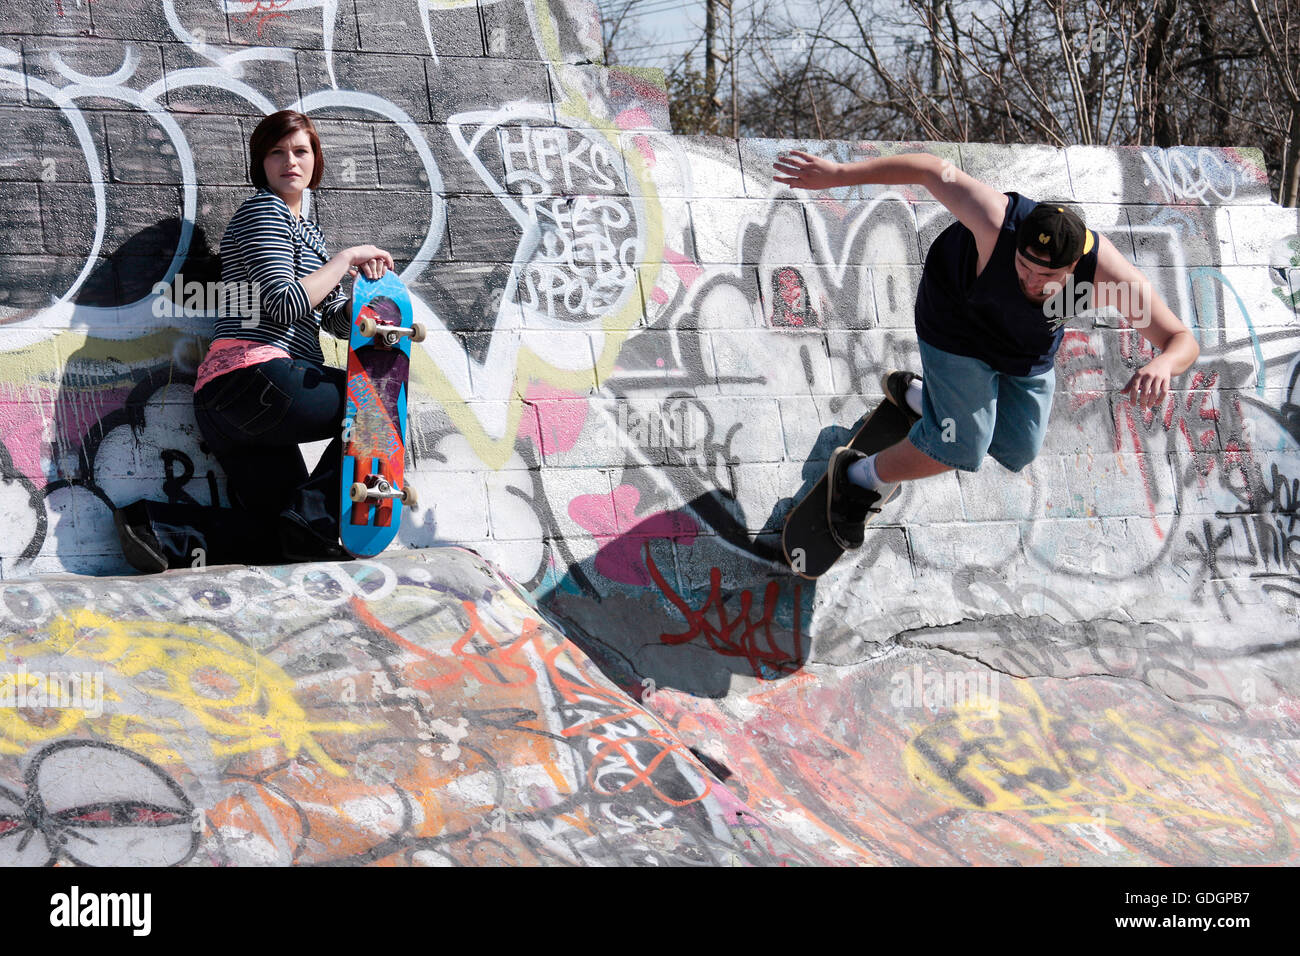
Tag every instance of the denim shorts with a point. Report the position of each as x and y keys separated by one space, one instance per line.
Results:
x=969 y=410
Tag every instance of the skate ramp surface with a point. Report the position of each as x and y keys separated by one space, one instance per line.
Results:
x=420 y=709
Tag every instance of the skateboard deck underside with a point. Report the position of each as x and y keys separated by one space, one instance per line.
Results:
x=376 y=408
x=806 y=539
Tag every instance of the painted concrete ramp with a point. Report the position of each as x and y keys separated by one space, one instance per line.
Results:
x=420 y=709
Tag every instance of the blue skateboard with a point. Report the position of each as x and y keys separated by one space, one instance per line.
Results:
x=374 y=493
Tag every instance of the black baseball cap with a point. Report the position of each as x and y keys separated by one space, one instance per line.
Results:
x=1058 y=230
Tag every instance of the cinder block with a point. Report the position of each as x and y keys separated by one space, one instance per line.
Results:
x=350 y=156
x=587 y=503
x=425 y=30
x=141 y=151
x=307 y=28
x=1257 y=291
x=670 y=220
x=894 y=289
x=554 y=161
x=1200 y=174
x=858 y=359
x=453 y=507
x=769 y=364
x=396 y=221
x=394 y=78
x=401 y=165
x=706 y=297
x=20 y=220
x=995 y=494
x=939 y=498
x=1264 y=235
x=818 y=297
x=1105 y=174
x=482 y=229
x=195 y=92
x=1038 y=172
x=614 y=98
x=690 y=167
x=750 y=231
x=460 y=95
x=662 y=359
x=67 y=230
x=1117 y=484
x=942 y=549
x=1178 y=236
x=874 y=232
x=88 y=56
x=759 y=156
x=932 y=218
x=467 y=296
x=48 y=20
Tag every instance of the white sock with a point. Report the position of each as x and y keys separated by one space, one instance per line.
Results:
x=863 y=474
x=914 y=395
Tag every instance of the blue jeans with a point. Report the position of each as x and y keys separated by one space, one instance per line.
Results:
x=969 y=410
x=253 y=419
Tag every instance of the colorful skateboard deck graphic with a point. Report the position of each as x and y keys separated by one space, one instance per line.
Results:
x=806 y=539
x=374 y=426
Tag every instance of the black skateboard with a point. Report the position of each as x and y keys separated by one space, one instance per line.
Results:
x=810 y=550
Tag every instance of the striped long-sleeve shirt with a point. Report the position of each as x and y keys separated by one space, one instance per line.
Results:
x=268 y=249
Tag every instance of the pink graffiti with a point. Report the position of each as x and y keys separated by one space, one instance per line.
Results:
x=685 y=268
x=612 y=520
x=633 y=118
x=559 y=418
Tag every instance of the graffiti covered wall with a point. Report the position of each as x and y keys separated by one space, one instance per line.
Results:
x=641 y=352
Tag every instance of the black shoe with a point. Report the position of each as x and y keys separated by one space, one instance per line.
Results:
x=895 y=385
x=300 y=541
x=848 y=506
x=140 y=546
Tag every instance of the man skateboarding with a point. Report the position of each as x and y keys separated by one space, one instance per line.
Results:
x=988 y=323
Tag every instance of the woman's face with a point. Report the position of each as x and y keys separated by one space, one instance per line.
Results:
x=289 y=164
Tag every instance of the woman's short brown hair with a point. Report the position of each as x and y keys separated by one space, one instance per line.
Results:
x=269 y=132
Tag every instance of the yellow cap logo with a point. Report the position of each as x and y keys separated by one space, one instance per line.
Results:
x=1087 y=241
x=1044 y=239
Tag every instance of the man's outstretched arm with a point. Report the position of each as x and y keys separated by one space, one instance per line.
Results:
x=978 y=206
x=1123 y=286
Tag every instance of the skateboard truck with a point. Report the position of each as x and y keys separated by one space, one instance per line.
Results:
x=377 y=487
x=390 y=334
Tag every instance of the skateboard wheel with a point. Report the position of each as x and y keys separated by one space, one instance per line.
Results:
x=368 y=326
x=409 y=497
x=358 y=491
x=417 y=331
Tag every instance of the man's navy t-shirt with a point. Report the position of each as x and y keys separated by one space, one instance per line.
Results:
x=987 y=316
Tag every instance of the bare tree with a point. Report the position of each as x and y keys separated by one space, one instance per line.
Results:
x=1279 y=32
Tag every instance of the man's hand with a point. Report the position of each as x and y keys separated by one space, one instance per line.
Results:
x=1149 y=385
x=805 y=171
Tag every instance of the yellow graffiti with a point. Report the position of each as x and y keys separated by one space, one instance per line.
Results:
x=495 y=450
x=183 y=678
x=1024 y=758
x=615 y=326
x=55 y=354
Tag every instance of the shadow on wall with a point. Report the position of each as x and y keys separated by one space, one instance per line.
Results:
x=123 y=424
x=700 y=602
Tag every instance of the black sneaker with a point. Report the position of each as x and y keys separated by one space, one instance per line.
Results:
x=895 y=385
x=140 y=546
x=848 y=506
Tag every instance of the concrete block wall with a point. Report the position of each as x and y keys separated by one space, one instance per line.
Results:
x=641 y=350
